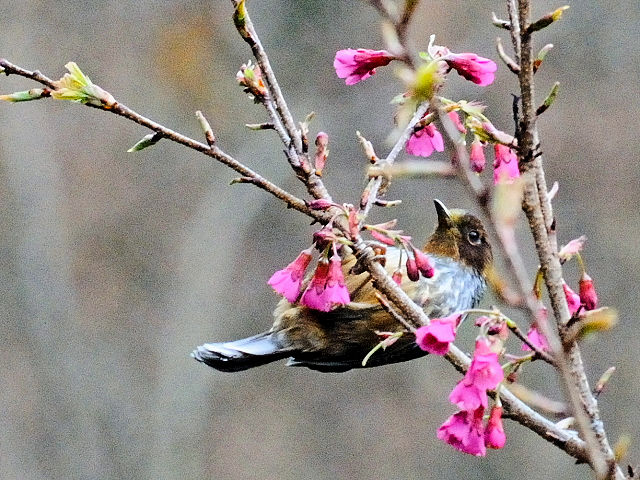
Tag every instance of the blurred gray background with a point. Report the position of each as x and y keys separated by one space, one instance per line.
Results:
x=114 y=266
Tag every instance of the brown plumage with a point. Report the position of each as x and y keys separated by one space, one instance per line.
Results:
x=338 y=340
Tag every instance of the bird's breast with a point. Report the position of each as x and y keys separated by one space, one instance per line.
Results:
x=453 y=287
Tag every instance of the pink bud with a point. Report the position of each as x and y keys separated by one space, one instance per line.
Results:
x=412 y=270
x=397 y=277
x=478 y=161
x=320 y=204
x=354 y=225
x=423 y=263
x=381 y=237
x=505 y=166
x=455 y=118
x=573 y=299
x=588 y=294
x=322 y=152
x=494 y=436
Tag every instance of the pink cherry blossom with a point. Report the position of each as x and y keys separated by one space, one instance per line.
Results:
x=573 y=299
x=478 y=70
x=436 y=337
x=494 y=436
x=535 y=336
x=423 y=142
x=588 y=295
x=357 y=65
x=464 y=431
x=326 y=289
x=485 y=371
x=505 y=166
x=468 y=396
x=288 y=280
x=478 y=161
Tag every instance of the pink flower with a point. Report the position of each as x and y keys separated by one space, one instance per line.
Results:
x=572 y=248
x=478 y=70
x=573 y=299
x=455 y=118
x=537 y=339
x=468 y=396
x=326 y=289
x=423 y=142
x=287 y=281
x=465 y=431
x=423 y=263
x=494 y=436
x=397 y=277
x=478 y=161
x=505 y=166
x=436 y=337
x=485 y=371
x=588 y=295
x=357 y=65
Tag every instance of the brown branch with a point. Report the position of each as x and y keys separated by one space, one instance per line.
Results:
x=209 y=150
x=537 y=207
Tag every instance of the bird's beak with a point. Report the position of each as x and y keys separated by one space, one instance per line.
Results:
x=444 y=217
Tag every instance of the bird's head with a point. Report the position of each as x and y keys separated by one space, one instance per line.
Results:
x=461 y=236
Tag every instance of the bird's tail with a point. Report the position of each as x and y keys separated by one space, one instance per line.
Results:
x=241 y=354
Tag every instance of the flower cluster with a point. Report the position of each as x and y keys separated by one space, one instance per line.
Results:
x=586 y=298
x=326 y=289
x=465 y=429
x=418 y=263
x=357 y=65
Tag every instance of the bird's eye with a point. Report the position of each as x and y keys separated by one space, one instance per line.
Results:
x=474 y=237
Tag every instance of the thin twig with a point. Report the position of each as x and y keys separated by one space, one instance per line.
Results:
x=374 y=184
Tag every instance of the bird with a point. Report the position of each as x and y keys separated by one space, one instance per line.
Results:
x=338 y=340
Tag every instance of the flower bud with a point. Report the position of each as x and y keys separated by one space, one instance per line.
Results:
x=423 y=263
x=412 y=270
x=494 y=436
x=588 y=295
x=478 y=161
x=322 y=152
x=573 y=299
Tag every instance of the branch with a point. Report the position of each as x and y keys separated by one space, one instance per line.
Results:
x=538 y=210
x=209 y=150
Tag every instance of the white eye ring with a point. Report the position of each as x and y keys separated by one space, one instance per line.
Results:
x=474 y=237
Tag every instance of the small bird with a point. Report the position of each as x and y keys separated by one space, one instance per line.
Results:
x=338 y=340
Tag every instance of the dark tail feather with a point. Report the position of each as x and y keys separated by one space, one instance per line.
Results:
x=240 y=354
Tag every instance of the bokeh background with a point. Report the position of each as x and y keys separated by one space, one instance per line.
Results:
x=113 y=266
